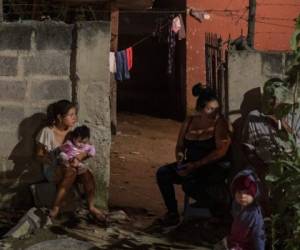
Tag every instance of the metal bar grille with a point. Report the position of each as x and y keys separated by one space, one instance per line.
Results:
x=216 y=62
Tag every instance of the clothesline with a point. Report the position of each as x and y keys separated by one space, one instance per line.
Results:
x=121 y=61
x=197 y=14
x=142 y=40
x=147 y=37
x=177 y=11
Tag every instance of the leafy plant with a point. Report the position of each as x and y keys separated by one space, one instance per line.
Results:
x=284 y=174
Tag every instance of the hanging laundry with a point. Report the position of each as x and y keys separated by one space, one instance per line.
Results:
x=176 y=25
x=172 y=45
x=129 y=58
x=159 y=30
x=199 y=15
x=112 y=62
x=122 y=66
x=181 y=32
x=126 y=69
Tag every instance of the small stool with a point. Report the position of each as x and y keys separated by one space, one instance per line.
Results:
x=200 y=212
x=190 y=212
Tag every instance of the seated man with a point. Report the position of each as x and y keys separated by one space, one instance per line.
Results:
x=261 y=131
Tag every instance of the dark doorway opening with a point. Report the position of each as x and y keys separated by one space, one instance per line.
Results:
x=151 y=90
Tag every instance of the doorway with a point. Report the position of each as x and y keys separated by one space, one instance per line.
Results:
x=151 y=90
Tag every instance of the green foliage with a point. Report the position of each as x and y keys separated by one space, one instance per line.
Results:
x=295 y=40
x=298 y=23
x=284 y=173
x=295 y=45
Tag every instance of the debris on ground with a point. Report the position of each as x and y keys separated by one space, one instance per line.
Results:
x=62 y=244
x=30 y=222
x=78 y=231
x=117 y=217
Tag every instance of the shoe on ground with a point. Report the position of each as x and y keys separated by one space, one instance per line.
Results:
x=170 y=219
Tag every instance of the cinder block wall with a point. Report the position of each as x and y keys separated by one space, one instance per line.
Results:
x=248 y=71
x=35 y=70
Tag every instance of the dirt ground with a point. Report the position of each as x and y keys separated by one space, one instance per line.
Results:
x=141 y=145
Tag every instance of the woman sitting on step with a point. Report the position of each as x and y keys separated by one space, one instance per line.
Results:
x=202 y=146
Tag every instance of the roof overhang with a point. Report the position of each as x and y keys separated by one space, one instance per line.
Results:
x=121 y=4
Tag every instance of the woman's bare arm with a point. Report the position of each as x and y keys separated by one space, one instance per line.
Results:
x=42 y=154
x=180 y=139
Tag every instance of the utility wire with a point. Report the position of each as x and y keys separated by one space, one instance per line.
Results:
x=241 y=16
x=149 y=36
x=257 y=18
x=279 y=4
x=224 y=12
x=141 y=41
x=274 y=24
x=128 y=11
x=277 y=18
x=269 y=32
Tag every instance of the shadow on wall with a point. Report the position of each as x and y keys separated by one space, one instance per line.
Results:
x=251 y=101
x=26 y=170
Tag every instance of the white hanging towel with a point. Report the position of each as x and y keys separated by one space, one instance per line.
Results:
x=176 y=25
x=112 y=62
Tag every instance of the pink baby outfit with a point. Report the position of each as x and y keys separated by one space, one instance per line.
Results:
x=69 y=151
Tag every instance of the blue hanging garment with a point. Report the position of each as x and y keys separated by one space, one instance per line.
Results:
x=122 y=66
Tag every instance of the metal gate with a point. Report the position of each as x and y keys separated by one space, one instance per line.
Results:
x=216 y=60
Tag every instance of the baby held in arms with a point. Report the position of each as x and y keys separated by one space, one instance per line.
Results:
x=77 y=144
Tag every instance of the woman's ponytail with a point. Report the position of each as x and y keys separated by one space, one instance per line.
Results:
x=51 y=114
x=196 y=90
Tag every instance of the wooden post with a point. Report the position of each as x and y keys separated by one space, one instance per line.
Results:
x=251 y=23
x=1 y=10
x=113 y=84
x=114 y=29
x=35 y=4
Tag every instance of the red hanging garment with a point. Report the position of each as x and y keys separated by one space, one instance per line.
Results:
x=129 y=58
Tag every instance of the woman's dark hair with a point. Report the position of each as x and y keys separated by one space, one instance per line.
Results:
x=81 y=131
x=55 y=109
x=197 y=88
x=204 y=95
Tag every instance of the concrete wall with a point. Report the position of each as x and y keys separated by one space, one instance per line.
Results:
x=248 y=71
x=36 y=70
x=92 y=69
